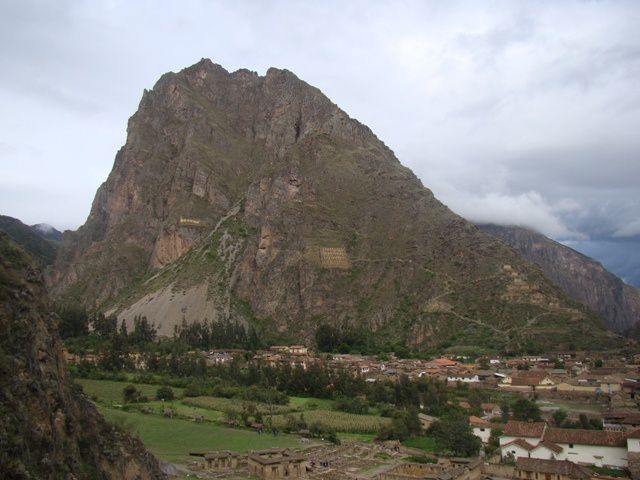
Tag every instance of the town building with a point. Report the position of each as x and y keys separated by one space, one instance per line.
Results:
x=539 y=469
x=587 y=447
x=276 y=464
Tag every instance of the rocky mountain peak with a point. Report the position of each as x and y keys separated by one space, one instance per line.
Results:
x=256 y=199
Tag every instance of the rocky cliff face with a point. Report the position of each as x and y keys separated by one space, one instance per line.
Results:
x=256 y=199
x=580 y=277
x=48 y=429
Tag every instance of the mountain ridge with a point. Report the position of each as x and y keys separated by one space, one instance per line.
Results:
x=256 y=199
x=41 y=248
x=581 y=277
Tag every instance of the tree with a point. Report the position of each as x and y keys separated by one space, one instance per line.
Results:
x=505 y=411
x=165 y=393
x=598 y=363
x=524 y=409
x=130 y=394
x=105 y=327
x=455 y=437
x=559 y=416
x=143 y=331
x=74 y=322
x=328 y=338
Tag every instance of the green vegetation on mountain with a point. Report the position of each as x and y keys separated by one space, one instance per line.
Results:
x=41 y=249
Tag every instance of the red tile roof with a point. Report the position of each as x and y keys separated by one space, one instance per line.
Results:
x=586 y=437
x=524 y=429
x=529 y=379
x=634 y=434
x=521 y=443
x=478 y=422
x=550 y=446
x=556 y=467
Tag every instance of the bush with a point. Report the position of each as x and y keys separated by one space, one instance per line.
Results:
x=130 y=394
x=352 y=405
x=165 y=393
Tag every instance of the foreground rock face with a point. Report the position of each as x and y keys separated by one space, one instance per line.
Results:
x=48 y=429
x=260 y=201
x=579 y=276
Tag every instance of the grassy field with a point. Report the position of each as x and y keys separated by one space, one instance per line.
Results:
x=570 y=406
x=109 y=392
x=232 y=404
x=315 y=410
x=356 y=437
x=180 y=409
x=173 y=439
x=339 y=421
x=426 y=444
x=311 y=403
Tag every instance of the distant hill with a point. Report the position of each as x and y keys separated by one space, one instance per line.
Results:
x=581 y=277
x=31 y=239
x=47 y=232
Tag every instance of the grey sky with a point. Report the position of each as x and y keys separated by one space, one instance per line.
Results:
x=522 y=112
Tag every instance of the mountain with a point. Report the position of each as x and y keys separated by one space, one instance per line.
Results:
x=48 y=428
x=580 y=277
x=42 y=249
x=250 y=198
x=47 y=232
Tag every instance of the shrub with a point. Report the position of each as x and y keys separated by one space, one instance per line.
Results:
x=165 y=393
x=130 y=394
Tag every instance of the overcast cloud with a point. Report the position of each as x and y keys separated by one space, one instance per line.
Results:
x=511 y=112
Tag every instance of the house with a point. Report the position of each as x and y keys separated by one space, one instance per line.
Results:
x=298 y=350
x=528 y=381
x=430 y=471
x=426 y=421
x=276 y=464
x=490 y=410
x=539 y=469
x=518 y=438
x=480 y=428
x=222 y=460
x=464 y=377
x=444 y=363
x=587 y=447
x=621 y=420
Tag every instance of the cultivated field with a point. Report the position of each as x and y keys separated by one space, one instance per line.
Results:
x=110 y=392
x=338 y=421
x=172 y=439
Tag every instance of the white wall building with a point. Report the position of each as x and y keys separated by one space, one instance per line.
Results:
x=586 y=447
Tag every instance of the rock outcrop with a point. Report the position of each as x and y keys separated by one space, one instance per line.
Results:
x=579 y=276
x=289 y=214
x=48 y=428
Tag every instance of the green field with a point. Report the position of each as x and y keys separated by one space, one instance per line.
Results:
x=315 y=410
x=180 y=409
x=173 y=439
x=426 y=444
x=311 y=403
x=232 y=404
x=338 y=421
x=109 y=392
x=356 y=437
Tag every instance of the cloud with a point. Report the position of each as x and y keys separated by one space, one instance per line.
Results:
x=631 y=229
x=528 y=209
x=511 y=112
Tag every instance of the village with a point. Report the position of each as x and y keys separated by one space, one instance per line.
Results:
x=598 y=390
